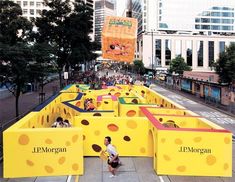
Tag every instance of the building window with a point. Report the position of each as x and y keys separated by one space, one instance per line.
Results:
x=221 y=46
x=211 y=52
x=31 y=11
x=206 y=27
x=25 y=11
x=197 y=20
x=213 y=27
x=197 y=27
x=160 y=12
x=168 y=51
x=25 y=3
x=226 y=8
x=31 y=3
x=160 y=5
x=227 y=28
x=189 y=52
x=227 y=21
x=38 y=4
x=205 y=13
x=205 y=20
x=215 y=20
x=19 y=3
x=215 y=14
x=158 y=49
x=227 y=14
x=216 y=8
x=38 y=11
x=200 y=53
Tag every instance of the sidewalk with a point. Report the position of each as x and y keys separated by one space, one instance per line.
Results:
x=216 y=106
x=27 y=102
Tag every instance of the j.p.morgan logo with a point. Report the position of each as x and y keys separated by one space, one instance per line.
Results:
x=195 y=150
x=49 y=150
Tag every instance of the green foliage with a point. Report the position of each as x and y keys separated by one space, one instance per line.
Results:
x=13 y=27
x=225 y=65
x=41 y=66
x=178 y=65
x=139 y=66
x=67 y=30
x=15 y=64
x=15 y=53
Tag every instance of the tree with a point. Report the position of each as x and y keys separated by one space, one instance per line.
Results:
x=178 y=65
x=81 y=23
x=15 y=53
x=139 y=66
x=66 y=29
x=15 y=68
x=225 y=65
x=13 y=27
x=41 y=66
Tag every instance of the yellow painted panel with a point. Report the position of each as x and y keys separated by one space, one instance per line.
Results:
x=129 y=135
x=43 y=152
x=194 y=153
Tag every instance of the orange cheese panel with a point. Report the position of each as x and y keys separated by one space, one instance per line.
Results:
x=119 y=38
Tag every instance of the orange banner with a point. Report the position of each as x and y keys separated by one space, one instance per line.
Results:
x=119 y=38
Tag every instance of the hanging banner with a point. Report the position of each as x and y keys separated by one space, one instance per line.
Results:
x=119 y=38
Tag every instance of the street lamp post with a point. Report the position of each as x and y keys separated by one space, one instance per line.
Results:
x=152 y=48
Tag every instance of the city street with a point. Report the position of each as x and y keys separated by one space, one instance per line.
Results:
x=119 y=91
x=137 y=169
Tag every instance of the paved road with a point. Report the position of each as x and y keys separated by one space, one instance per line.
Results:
x=216 y=116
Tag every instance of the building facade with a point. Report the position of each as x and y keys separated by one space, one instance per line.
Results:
x=145 y=11
x=103 y=8
x=206 y=16
x=199 y=51
x=202 y=16
x=33 y=8
x=196 y=30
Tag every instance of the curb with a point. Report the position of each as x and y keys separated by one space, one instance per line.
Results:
x=197 y=100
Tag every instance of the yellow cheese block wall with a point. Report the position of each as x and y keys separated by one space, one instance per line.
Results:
x=209 y=153
x=129 y=135
x=43 y=152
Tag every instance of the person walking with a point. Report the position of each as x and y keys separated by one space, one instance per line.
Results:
x=113 y=159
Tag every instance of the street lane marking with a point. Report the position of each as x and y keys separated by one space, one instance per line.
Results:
x=161 y=179
x=69 y=178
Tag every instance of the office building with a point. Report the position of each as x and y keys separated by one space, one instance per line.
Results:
x=103 y=8
x=199 y=51
x=201 y=16
x=196 y=30
x=33 y=8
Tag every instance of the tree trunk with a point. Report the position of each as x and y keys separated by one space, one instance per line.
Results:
x=60 y=77
x=17 y=95
x=42 y=86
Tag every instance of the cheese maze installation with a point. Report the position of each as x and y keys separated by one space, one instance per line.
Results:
x=140 y=121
